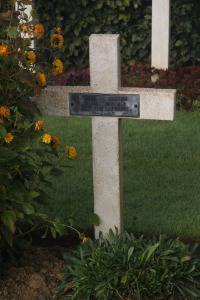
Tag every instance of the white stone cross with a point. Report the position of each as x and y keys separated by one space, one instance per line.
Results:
x=160 y=34
x=157 y=104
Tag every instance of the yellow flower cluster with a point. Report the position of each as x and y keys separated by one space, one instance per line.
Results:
x=8 y=138
x=41 y=79
x=4 y=111
x=39 y=31
x=46 y=138
x=57 y=67
x=39 y=124
x=31 y=57
x=56 y=40
x=4 y=50
x=71 y=152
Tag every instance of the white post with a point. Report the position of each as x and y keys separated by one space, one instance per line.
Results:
x=107 y=170
x=160 y=34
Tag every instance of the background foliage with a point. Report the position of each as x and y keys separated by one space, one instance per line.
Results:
x=131 y=19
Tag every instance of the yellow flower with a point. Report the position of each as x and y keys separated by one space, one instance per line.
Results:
x=8 y=138
x=58 y=30
x=56 y=40
x=85 y=239
x=55 y=140
x=4 y=111
x=71 y=152
x=41 y=79
x=31 y=57
x=46 y=138
x=39 y=31
x=4 y=50
x=39 y=124
x=57 y=67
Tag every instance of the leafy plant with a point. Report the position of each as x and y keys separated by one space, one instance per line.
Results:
x=126 y=267
x=130 y=19
x=27 y=152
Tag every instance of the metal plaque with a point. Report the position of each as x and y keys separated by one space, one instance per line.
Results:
x=116 y=105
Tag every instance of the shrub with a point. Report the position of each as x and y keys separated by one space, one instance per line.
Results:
x=27 y=151
x=130 y=19
x=184 y=79
x=126 y=267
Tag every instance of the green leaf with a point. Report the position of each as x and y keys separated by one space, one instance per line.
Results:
x=99 y=4
x=28 y=208
x=45 y=234
x=149 y=251
x=22 y=146
x=2 y=132
x=97 y=28
x=7 y=154
x=13 y=32
x=61 y=229
x=178 y=43
x=29 y=195
x=8 y=217
x=7 y=235
x=147 y=17
x=130 y=252
x=94 y=219
x=124 y=279
x=53 y=232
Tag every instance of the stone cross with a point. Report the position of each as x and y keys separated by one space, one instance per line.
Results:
x=160 y=34
x=157 y=104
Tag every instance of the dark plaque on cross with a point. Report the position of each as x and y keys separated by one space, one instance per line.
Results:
x=81 y=104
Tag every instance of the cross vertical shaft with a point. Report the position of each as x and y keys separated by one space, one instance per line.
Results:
x=106 y=135
x=160 y=34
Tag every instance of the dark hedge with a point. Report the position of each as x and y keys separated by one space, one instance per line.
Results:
x=131 y=19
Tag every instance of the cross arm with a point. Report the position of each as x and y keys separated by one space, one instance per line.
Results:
x=155 y=104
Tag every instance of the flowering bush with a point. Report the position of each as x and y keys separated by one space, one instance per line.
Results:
x=26 y=149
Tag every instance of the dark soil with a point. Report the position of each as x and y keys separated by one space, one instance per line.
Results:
x=34 y=276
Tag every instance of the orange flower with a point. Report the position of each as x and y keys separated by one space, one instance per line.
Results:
x=71 y=152
x=4 y=50
x=46 y=138
x=55 y=141
x=1 y=120
x=31 y=57
x=85 y=239
x=57 y=67
x=56 y=40
x=39 y=125
x=4 y=111
x=41 y=79
x=39 y=31
x=8 y=138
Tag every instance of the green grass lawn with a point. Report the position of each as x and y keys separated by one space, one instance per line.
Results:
x=161 y=170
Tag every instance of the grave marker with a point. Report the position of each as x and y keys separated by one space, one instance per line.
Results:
x=160 y=34
x=154 y=104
